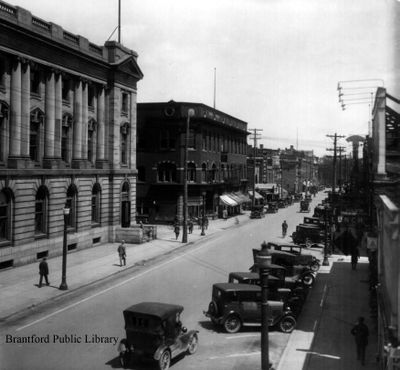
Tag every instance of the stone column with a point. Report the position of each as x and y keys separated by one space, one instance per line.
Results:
x=85 y=120
x=25 y=108
x=58 y=116
x=15 y=124
x=50 y=116
x=77 y=142
x=100 y=150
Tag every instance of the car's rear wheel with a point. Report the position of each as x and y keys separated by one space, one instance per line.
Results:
x=165 y=360
x=232 y=324
x=287 y=324
x=193 y=344
x=314 y=266
x=308 y=279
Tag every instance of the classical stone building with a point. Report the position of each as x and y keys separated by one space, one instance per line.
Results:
x=67 y=137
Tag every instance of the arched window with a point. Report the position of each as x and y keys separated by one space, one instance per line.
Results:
x=125 y=205
x=71 y=202
x=5 y=215
x=41 y=207
x=66 y=137
x=191 y=174
x=96 y=204
x=36 y=122
x=166 y=172
x=214 y=173
x=203 y=172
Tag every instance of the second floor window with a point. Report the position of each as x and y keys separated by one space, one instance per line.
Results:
x=35 y=82
x=125 y=103
x=41 y=211
x=124 y=144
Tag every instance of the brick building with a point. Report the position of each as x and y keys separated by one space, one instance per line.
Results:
x=217 y=177
x=67 y=137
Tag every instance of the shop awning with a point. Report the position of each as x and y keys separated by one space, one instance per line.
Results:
x=236 y=198
x=243 y=197
x=256 y=195
x=227 y=200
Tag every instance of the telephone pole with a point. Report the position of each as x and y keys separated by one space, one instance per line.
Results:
x=255 y=137
x=334 y=149
x=340 y=149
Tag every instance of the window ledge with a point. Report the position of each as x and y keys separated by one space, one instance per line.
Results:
x=5 y=243
x=40 y=236
x=95 y=224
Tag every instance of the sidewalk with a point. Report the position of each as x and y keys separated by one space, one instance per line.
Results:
x=18 y=286
x=322 y=339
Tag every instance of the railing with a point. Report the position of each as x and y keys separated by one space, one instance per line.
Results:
x=39 y=23
x=8 y=9
x=70 y=37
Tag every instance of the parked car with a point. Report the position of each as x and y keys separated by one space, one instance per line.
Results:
x=257 y=213
x=314 y=221
x=297 y=273
x=154 y=330
x=304 y=206
x=236 y=305
x=271 y=207
x=303 y=259
x=308 y=234
x=276 y=290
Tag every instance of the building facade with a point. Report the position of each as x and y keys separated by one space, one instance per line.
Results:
x=67 y=137
x=216 y=161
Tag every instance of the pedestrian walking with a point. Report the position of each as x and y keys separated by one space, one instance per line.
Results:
x=360 y=333
x=190 y=226
x=122 y=253
x=355 y=255
x=284 y=228
x=123 y=352
x=43 y=272
x=176 y=231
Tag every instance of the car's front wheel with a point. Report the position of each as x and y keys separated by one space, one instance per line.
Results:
x=308 y=279
x=193 y=344
x=287 y=324
x=232 y=324
x=165 y=360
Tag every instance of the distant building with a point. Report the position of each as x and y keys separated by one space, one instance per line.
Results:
x=67 y=137
x=217 y=175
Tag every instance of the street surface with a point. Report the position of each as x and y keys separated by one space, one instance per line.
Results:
x=82 y=330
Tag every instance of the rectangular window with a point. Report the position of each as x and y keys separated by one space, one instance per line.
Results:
x=91 y=93
x=34 y=142
x=3 y=222
x=125 y=103
x=65 y=89
x=64 y=143
x=35 y=82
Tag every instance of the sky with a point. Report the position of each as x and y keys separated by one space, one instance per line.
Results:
x=277 y=62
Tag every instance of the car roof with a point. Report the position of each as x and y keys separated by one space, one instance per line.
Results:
x=285 y=244
x=249 y=275
x=282 y=253
x=235 y=287
x=156 y=309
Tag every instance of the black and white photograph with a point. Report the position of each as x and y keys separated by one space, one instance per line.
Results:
x=199 y=185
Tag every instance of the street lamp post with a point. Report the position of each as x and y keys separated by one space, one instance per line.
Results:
x=325 y=262
x=64 y=285
x=185 y=185
x=263 y=261
x=203 y=221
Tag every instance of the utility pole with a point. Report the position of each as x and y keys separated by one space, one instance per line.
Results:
x=255 y=137
x=334 y=149
x=340 y=149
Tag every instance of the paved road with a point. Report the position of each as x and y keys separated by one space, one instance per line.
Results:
x=184 y=277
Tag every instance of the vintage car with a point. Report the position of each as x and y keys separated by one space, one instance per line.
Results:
x=236 y=305
x=154 y=330
x=303 y=259
x=271 y=207
x=308 y=234
x=297 y=197
x=304 y=206
x=257 y=213
x=297 y=273
x=314 y=221
x=276 y=290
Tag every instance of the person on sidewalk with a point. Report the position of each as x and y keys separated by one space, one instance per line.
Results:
x=43 y=272
x=122 y=253
x=360 y=333
x=190 y=226
x=176 y=231
x=123 y=352
x=355 y=255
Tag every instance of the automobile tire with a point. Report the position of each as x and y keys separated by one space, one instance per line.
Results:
x=232 y=324
x=287 y=324
x=193 y=344
x=165 y=360
x=308 y=279
x=314 y=266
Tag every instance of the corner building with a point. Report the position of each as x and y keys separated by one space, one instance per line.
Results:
x=67 y=138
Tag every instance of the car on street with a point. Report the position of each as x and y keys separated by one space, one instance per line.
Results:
x=304 y=206
x=308 y=234
x=234 y=306
x=304 y=259
x=154 y=330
